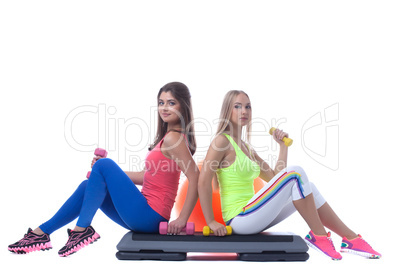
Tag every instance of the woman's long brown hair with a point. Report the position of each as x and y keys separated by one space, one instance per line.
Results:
x=182 y=94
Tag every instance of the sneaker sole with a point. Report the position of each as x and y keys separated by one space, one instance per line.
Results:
x=360 y=253
x=319 y=250
x=28 y=249
x=82 y=244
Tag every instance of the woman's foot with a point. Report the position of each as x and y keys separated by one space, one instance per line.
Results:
x=359 y=247
x=78 y=240
x=31 y=242
x=323 y=244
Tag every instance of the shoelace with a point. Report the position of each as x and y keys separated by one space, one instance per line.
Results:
x=331 y=242
x=28 y=233
x=71 y=237
x=364 y=243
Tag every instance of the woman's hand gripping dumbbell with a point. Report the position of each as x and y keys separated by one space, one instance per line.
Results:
x=189 y=229
x=286 y=140
x=206 y=231
x=99 y=153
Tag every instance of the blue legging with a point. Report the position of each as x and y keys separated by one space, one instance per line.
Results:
x=111 y=190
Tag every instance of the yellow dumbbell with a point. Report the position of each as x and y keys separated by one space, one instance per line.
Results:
x=288 y=141
x=206 y=231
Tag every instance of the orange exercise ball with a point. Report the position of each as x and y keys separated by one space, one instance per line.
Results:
x=197 y=217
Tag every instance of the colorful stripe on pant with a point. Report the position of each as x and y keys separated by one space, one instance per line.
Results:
x=273 y=190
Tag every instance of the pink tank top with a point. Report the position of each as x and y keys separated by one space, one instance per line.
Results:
x=161 y=181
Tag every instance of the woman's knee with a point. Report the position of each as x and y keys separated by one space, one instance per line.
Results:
x=296 y=168
x=102 y=164
x=299 y=170
x=83 y=185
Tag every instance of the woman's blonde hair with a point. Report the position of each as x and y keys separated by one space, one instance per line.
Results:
x=226 y=112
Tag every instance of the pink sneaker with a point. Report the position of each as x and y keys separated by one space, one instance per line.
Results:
x=31 y=242
x=78 y=240
x=359 y=247
x=323 y=244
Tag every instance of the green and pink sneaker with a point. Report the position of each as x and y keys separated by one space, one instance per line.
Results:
x=360 y=247
x=323 y=244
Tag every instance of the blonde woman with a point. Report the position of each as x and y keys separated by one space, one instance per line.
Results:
x=236 y=165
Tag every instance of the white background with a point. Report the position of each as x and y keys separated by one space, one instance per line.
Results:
x=295 y=59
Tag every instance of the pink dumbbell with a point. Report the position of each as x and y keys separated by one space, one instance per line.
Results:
x=189 y=229
x=100 y=153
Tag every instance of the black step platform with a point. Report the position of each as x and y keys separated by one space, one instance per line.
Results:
x=260 y=247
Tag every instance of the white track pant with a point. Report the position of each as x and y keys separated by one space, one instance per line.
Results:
x=274 y=203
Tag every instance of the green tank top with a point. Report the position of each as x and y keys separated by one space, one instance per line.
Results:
x=236 y=182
